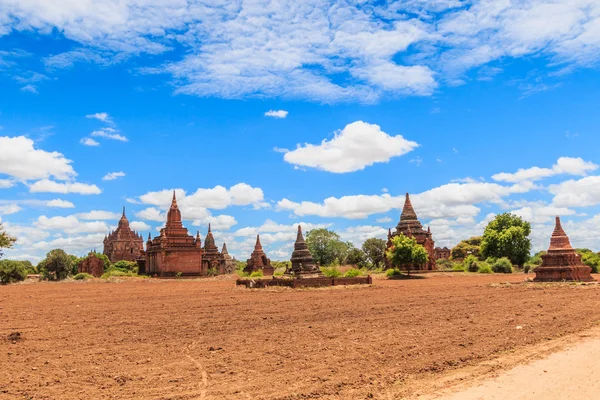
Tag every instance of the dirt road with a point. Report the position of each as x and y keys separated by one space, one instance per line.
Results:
x=207 y=339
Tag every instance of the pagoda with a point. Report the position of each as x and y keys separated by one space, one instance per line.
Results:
x=174 y=251
x=230 y=264
x=302 y=261
x=258 y=260
x=212 y=259
x=410 y=226
x=123 y=243
x=562 y=263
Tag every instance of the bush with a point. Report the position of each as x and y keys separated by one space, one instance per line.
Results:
x=353 y=273
x=458 y=267
x=256 y=274
x=392 y=273
x=484 y=268
x=278 y=273
x=213 y=272
x=12 y=271
x=502 y=266
x=83 y=277
x=444 y=264
x=116 y=273
x=124 y=265
x=528 y=267
x=471 y=263
x=331 y=272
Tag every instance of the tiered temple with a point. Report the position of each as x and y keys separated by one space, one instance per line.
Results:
x=258 y=261
x=302 y=261
x=123 y=243
x=212 y=259
x=410 y=226
x=174 y=251
x=562 y=263
x=230 y=263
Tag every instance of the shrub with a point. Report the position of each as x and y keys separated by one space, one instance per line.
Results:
x=278 y=273
x=178 y=275
x=458 y=267
x=213 y=272
x=116 y=273
x=445 y=264
x=484 y=268
x=528 y=267
x=331 y=272
x=353 y=273
x=502 y=266
x=256 y=274
x=124 y=265
x=83 y=277
x=392 y=273
x=471 y=263
x=12 y=271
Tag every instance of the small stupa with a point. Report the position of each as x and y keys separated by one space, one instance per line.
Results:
x=562 y=263
x=302 y=261
x=258 y=261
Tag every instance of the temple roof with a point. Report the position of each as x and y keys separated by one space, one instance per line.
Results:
x=123 y=231
x=174 y=215
x=209 y=242
x=409 y=222
x=224 y=251
x=559 y=240
x=408 y=212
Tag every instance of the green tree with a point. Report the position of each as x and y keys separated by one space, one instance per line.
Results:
x=12 y=271
x=356 y=257
x=507 y=236
x=406 y=253
x=466 y=247
x=6 y=241
x=326 y=247
x=374 y=250
x=58 y=263
x=590 y=259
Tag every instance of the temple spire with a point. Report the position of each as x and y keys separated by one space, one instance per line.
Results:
x=174 y=201
x=258 y=244
x=300 y=237
x=408 y=212
x=209 y=231
x=124 y=212
x=559 y=239
x=224 y=251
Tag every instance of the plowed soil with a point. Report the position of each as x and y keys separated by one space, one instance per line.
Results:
x=207 y=339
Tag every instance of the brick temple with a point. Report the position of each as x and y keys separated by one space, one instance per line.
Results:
x=562 y=263
x=230 y=264
x=442 y=253
x=174 y=251
x=123 y=243
x=92 y=264
x=212 y=259
x=410 y=226
x=258 y=260
x=302 y=260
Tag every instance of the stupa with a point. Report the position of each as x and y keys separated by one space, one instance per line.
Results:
x=212 y=259
x=562 y=263
x=302 y=261
x=410 y=226
x=258 y=261
x=229 y=261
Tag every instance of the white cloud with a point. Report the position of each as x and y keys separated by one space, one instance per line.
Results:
x=218 y=222
x=9 y=209
x=564 y=165
x=384 y=220
x=6 y=183
x=139 y=226
x=30 y=89
x=19 y=159
x=101 y=116
x=357 y=146
x=576 y=193
x=86 y=141
x=152 y=214
x=109 y=133
x=111 y=176
x=70 y=224
x=99 y=215
x=276 y=113
x=59 y=203
x=48 y=186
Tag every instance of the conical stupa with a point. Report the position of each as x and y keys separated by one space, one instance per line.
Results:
x=258 y=261
x=302 y=260
x=562 y=263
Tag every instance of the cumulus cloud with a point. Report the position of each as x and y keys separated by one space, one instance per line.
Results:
x=584 y=192
x=111 y=176
x=98 y=215
x=276 y=113
x=48 y=186
x=354 y=148
x=86 y=141
x=6 y=183
x=152 y=214
x=564 y=165
x=59 y=203
x=70 y=224
x=139 y=226
x=101 y=116
x=21 y=160
x=8 y=209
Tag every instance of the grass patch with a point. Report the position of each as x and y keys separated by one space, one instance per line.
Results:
x=83 y=277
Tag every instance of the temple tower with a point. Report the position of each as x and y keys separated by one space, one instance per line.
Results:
x=302 y=260
x=123 y=243
x=258 y=261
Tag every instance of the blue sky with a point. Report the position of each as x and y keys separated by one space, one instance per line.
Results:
x=474 y=107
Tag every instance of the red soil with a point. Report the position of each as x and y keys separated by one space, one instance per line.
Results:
x=207 y=339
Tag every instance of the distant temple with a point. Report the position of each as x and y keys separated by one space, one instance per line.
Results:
x=123 y=243
x=442 y=253
x=562 y=263
x=302 y=260
x=212 y=259
x=230 y=264
x=92 y=264
x=410 y=226
x=174 y=251
x=258 y=260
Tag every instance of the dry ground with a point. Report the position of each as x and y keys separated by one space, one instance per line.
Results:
x=207 y=339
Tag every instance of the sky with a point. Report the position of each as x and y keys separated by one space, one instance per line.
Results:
x=262 y=115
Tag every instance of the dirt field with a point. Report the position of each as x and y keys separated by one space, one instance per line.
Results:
x=206 y=339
